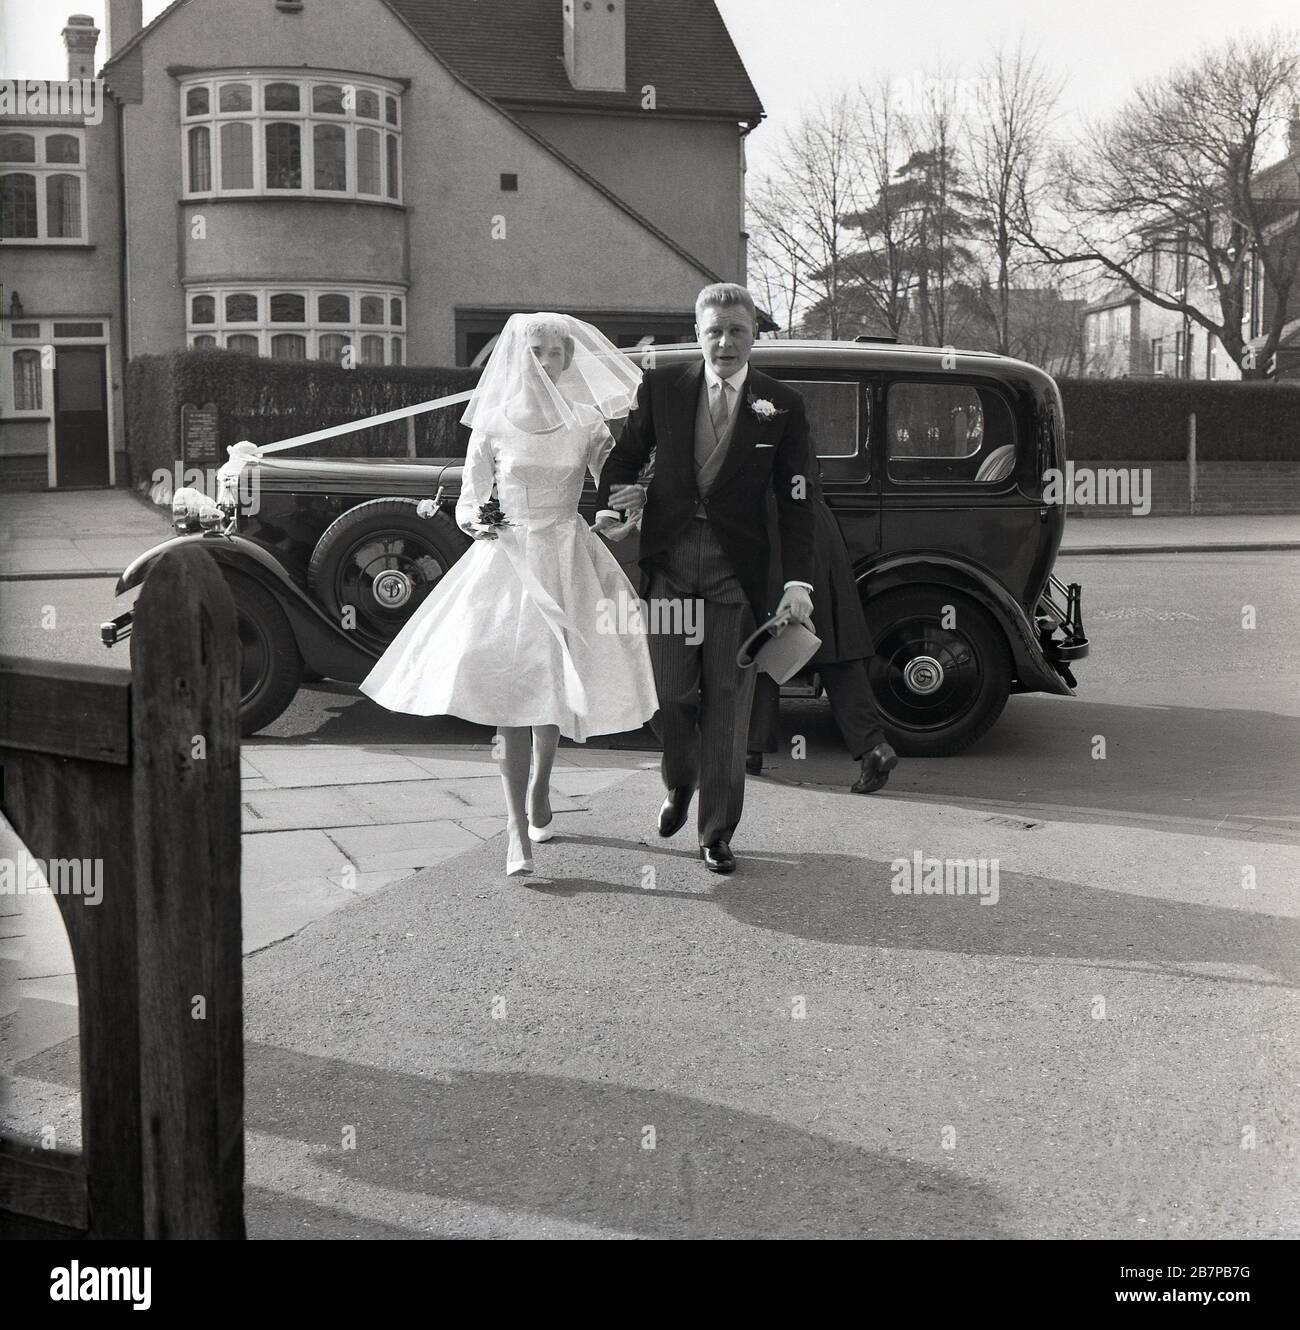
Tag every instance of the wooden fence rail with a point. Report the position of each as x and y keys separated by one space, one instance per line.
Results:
x=140 y=771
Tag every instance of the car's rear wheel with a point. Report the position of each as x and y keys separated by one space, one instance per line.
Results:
x=380 y=560
x=941 y=672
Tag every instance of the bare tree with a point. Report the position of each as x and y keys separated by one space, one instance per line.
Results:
x=881 y=261
x=1015 y=104
x=776 y=256
x=1179 y=169
x=798 y=208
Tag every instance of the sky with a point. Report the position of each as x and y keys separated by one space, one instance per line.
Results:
x=798 y=51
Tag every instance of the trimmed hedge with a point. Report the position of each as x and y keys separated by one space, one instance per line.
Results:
x=265 y=400
x=1145 y=420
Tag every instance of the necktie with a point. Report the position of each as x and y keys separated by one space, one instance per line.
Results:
x=721 y=410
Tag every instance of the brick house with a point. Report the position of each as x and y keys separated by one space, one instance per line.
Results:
x=385 y=181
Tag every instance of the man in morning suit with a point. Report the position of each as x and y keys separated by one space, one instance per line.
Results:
x=724 y=436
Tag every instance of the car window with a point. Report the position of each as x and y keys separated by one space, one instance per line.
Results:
x=834 y=409
x=948 y=432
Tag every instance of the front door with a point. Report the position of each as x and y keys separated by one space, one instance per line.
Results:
x=80 y=417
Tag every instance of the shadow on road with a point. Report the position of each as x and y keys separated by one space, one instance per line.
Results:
x=848 y=901
x=1187 y=762
x=568 y=1149
x=572 y=1149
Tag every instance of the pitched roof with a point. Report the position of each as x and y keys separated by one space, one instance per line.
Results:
x=513 y=52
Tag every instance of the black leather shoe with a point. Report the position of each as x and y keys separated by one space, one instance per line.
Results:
x=672 y=816
x=876 y=766
x=754 y=763
x=718 y=857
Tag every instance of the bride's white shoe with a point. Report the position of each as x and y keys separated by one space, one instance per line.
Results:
x=520 y=863
x=539 y=834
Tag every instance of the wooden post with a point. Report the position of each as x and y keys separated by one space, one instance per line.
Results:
x=1191 y=463
x=185 y=735
x=135 y=778
x=65 y=742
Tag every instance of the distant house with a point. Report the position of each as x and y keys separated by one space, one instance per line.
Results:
x=1124 y=333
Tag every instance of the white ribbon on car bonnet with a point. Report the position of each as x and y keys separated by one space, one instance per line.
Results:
x=243 y=452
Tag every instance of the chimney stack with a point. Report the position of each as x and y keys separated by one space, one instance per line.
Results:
x=1293 y=133
x=124 y=19
x=595 y=44
x=81 y=37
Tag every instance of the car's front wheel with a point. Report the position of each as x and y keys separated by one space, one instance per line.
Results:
x=270 y=666
x=374 y=565
x=941 y=672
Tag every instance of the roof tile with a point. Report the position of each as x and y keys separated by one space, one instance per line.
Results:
x=513 y=52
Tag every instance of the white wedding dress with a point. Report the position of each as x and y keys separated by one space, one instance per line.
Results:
x=536 y=627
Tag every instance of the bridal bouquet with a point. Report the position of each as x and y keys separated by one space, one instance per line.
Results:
x=491 y=516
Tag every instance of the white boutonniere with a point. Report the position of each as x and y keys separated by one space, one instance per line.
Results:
x=764 y=409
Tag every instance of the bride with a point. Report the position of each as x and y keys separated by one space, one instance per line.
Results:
x=512 y=634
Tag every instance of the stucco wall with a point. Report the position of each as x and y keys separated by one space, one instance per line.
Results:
x=564 y=244
x=682 y=175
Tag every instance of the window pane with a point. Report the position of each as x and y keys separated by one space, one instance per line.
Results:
x=236 y=155
x=235 y=97
x=392 y=166
x=327 y=98
x=397 y=351
x=332 y=346
x=244 y=343
x=833 y=419
x=289 y=346
x=241 y=307
x=372 y=350
x=947 y=433
x=27 y=380
x=280 y=97
x=283 y=157
x=390 y=110
x=288 y=308
x=368 y=161
x=63 y=206
x=62 y=148
x=17 y=148
x=200 y=160
x=18 y=207
x=367 y=104
x=372 y=309
x=204 y=341
x=330 y=145
x=196 y=101
x=25 y=329
x=203 y=309
x=334 y=308
x=395 y=312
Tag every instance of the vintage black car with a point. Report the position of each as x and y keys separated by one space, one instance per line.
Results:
x=933 y=460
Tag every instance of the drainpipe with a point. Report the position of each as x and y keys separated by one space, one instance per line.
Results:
x=123 y=286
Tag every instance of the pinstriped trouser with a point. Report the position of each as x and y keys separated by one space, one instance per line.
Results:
x=704 y=697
